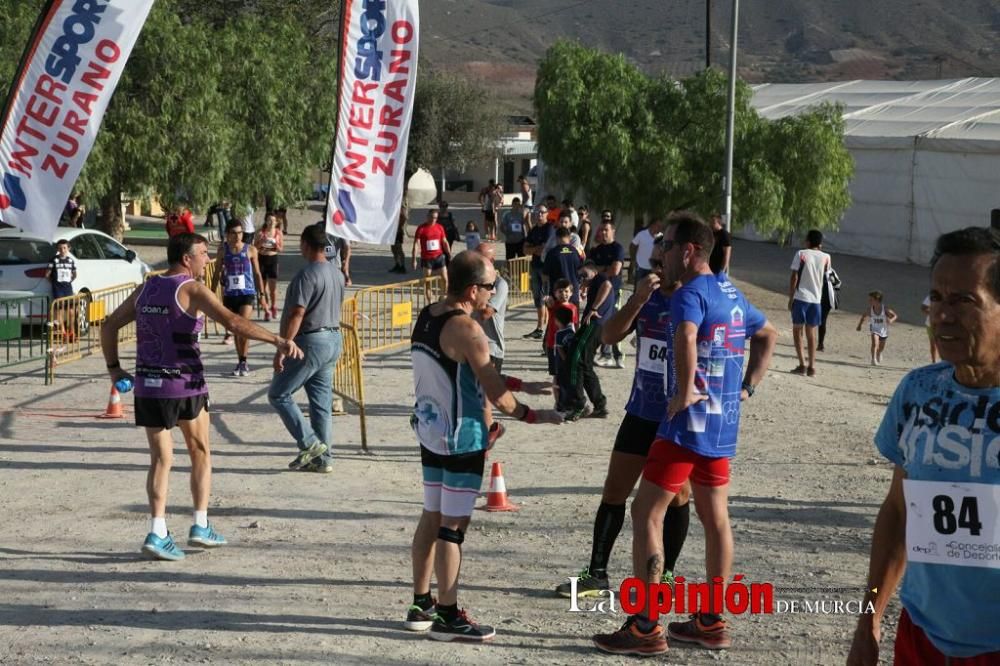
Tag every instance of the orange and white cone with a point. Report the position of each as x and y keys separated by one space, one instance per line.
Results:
x=114 y=410
x=496 y=498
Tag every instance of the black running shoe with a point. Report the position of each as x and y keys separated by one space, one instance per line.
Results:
x=586 y=586
x=600 y=413
x=462 y=628
x=419 y=619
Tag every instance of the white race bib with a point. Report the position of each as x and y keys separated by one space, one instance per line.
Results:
x=152 y=382
x=953 y=523
x=433 y=245
x=515 y=227
x=236 y=282
x=653 y=355
x=64 y=275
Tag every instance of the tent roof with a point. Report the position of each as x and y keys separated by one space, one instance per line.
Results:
x=945 y=110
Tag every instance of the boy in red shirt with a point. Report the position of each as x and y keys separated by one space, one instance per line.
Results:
x=434 y=251
x=562 y=292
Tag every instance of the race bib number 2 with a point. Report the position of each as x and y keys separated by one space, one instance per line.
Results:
x=953 y=523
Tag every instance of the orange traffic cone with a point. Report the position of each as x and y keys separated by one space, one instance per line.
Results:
x=496 y=498
x=114 y=410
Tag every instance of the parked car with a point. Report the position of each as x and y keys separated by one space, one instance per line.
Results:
x=101 y=262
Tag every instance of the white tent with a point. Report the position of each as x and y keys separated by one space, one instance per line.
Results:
x=926 y=153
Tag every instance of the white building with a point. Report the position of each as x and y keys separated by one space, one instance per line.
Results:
x=926 y=153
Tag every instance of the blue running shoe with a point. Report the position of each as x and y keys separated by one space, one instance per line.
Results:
x=205 y=537
x=161 y=549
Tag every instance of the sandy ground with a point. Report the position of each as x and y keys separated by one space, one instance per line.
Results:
x=318 y=567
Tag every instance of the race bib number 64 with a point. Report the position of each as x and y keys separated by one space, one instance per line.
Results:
x=953 y=523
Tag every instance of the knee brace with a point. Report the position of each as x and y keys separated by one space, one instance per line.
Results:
x=451 y=536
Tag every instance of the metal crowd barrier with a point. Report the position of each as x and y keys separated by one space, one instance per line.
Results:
x=348 y=380
x=517 y=272
x=19 y=315
x=75 y=324
x=384 y=316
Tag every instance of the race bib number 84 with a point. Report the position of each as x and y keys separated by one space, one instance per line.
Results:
x=953 y=523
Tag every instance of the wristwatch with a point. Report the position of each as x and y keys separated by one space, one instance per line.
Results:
x=749 y=388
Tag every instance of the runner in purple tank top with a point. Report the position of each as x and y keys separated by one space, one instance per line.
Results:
x=170 y=388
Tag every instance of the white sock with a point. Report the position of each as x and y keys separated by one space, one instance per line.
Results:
x=201 y=518
x=158 y=526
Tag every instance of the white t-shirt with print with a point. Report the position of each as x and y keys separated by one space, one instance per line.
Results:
x=813 y=265
x=644 y=242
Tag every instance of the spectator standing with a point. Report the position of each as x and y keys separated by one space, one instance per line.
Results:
x=585 y=229
x=61 y=272
x=536 y=241
x=925 y=307
x=641 y=248
x=601 y=297
x=805 y=294
x=609 y=257
x=398 y=253
x=447 y=221
x=723 y=248
x=564 y=262
x=311 y=318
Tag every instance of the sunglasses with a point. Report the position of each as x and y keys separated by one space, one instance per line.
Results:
x=487 y=286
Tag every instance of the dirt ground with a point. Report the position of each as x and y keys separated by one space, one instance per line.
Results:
x=318 y=568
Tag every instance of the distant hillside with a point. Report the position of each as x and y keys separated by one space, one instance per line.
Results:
x=779 y=40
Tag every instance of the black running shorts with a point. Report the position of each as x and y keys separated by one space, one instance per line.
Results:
x=234 y=303
x=166 y=412
x=635 y=435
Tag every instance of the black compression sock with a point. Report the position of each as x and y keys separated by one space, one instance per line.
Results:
x=423 y=600
x=607 y=524
x=448 y=613
x=675 y=530
x=644 y=624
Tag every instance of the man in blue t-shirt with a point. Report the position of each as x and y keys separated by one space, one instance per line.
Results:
x=647 y=314
x=940 y=522
x=563 y=261
x=711 y=322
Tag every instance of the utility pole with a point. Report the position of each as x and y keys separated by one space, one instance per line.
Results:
x=727 y=184
x=708 y=34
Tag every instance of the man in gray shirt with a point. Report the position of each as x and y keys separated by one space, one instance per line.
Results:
x=491 y=318
x=514 y=228
x=312 y=318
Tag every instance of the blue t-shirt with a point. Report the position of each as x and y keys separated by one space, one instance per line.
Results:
x=605 y=255
x=607 y=307
x=653 y=379
x=940 y=431
x=725 y=319
x=563 y=261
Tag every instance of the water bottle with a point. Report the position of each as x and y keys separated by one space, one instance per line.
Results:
x=124 y=385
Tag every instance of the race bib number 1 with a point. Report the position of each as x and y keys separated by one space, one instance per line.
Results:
x=953 y=523
x=653 y=355
x=237 y=282
x=433 y=245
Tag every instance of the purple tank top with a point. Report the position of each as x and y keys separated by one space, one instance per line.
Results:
x=168 y=361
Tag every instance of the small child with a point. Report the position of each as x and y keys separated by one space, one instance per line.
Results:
x=562 y=293
x=571 y=399
x=472 y=238
x=879 y=319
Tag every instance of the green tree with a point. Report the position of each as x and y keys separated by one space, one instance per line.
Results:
x=650 y=145
x=210 y=104
x=455 y=123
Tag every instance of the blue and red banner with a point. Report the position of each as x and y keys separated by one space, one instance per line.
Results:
x=58 y=98
x=378 y=76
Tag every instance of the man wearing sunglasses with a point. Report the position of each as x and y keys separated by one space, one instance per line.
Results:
x=452 y=377
x=711 y=322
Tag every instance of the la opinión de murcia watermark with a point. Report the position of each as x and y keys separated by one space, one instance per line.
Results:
x=734 y=598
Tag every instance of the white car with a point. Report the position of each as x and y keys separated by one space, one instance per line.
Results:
x=101 y=262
